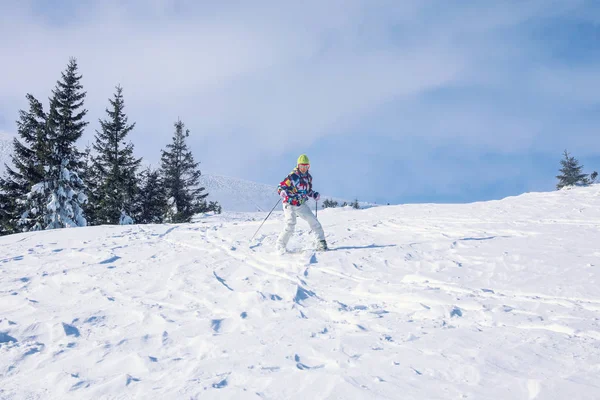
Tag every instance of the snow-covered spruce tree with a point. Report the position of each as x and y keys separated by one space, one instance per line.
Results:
x=151 y=201
x=66 y=190
x=180 y=178
x=90 y=177
x=115 y=166
x=22 y=207
x=570 y=172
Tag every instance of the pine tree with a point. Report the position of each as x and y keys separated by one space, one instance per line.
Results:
x=91 y=178
x=23 y=209
x=570 y=172
x=181 y=178
x=329 y=203
x=115 y=166
x=5 y=227
x=215 y=207
x=151 y=202
x=66 y=190
x=6 y=211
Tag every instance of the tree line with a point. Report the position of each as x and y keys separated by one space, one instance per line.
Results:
x=330 y=203
x=53 y=184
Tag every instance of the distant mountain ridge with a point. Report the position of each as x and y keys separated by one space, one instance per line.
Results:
x=235 y=194
x=239 y=195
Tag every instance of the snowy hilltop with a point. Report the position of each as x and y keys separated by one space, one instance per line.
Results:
x=489 y=300
x=235 y=194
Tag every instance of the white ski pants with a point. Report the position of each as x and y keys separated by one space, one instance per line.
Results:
x=289 y=215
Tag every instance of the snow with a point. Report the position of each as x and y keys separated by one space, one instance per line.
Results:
x=489 y=300
x=5 y=150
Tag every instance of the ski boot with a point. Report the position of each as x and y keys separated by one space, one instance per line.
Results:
x=322 y=245
x=280 y=249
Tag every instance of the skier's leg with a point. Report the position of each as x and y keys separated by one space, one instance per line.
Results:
x=289 y=217
x=306 y=214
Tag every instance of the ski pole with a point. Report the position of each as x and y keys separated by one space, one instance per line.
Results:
x=265 y=219
x=316 y=208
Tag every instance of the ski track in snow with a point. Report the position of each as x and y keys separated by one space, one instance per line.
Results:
x=491 y=300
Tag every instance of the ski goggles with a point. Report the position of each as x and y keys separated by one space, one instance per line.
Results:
x=307 y=166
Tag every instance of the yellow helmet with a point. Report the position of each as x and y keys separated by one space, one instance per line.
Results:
x=303 y=159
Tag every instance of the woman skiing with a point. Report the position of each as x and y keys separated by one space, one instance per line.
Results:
x=295 y=190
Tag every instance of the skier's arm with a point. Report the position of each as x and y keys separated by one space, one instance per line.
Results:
x=311 y=193
x=287 y=188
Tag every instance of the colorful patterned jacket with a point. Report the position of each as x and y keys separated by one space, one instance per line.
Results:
x=297 y=188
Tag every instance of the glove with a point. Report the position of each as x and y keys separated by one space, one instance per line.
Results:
x=296 y=200
x=317 y=196
x=283 y=195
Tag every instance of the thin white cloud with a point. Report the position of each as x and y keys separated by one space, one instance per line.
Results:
x=267 y=77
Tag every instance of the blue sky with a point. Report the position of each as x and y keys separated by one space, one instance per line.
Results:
x=393 y=101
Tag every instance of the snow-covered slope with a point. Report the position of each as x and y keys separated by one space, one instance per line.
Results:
x=235 y=194
x=492 y=300
x=5 y=150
